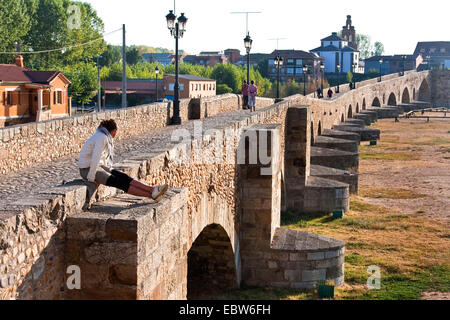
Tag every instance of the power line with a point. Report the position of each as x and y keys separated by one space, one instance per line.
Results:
x=64 y=48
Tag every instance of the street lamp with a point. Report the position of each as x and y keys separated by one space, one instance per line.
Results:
x=381 y=62
x=322 y=68
x=339 y=77
x=305 y=70
x=278 y=63
x=355 y=69
x=99 y=98
x=402 y=73
x=177 y=30
x=428 y=62
x=248 y=47
x=156 y=72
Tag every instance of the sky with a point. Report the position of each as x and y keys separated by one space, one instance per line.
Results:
x=398 y=24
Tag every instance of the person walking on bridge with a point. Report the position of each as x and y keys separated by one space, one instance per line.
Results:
x=245 y=95
x=330 y=93
x=252 y=93
x=96 y=161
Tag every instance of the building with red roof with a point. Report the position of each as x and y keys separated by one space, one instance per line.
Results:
x=27 y=96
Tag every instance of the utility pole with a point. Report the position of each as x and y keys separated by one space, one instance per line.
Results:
x=246 y=13
x=124 y=70
x=99 y=98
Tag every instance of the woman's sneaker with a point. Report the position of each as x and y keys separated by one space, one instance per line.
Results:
x=159 y=192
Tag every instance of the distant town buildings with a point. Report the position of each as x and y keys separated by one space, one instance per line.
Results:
x=293 y=62
x=392 y=64
x=27 y=96
x=144 y=90
x=163 y=59
x=435 y=54
x=337 y=52
x=190 y=86
x=233 y=55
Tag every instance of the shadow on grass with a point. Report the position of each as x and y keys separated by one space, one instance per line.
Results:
x=302 y=220
x=254 y=293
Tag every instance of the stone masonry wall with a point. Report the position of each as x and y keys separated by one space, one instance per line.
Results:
x=440 y=84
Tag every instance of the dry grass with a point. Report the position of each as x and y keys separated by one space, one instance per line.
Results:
x=388 y=193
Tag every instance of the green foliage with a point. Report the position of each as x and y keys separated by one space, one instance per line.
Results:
x=366 y=48
x=379 y=49
x=223 y=88
x=349 y=77
x=84 y=81
x=112 y=54
x=15 y=23
x=133 y=55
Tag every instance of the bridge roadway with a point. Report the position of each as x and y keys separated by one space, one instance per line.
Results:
x=29 y=181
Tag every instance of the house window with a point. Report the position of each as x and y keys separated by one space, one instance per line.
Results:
x=8 y=98
x=290 y=70
x=432 y=50
x=442 y=50
x=271 y=62
x=59 y=97
x=290 y=61
x=300 y=62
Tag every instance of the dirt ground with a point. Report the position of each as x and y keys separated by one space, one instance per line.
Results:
x=412 y=164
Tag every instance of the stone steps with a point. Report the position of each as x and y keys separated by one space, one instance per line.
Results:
x=365 y=134
x=341 y=135
x=372 y=114
x=343 y=176
x=333 y=158
x=365 y=117
x=335 y=143
x=355 y=122
x=387 y=112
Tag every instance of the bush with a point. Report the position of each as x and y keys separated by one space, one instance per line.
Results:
x=223 y=88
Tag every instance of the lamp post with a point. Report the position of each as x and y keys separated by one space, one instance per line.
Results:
x=177 y=30
x=339 y=77
x=322 y=68
x=156 y=72
x=248 y=47
x=305 y=70
x=381 y=63
x=355 y=68
x=404 y=62
x=99 y=98
x=278 y=63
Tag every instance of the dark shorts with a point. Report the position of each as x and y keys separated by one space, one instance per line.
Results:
x=114 y=178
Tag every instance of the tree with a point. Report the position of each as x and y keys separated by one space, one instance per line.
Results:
x=111 y=55
x=349 y=77
x=223 y=88
x=379 y=49
x=15 y=23
x=364 y=45
x=63 y=24
x=84 y=81
x=133 y=55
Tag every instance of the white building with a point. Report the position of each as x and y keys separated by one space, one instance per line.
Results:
x=336 y=51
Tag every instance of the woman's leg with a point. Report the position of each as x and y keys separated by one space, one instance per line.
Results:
x=139 y=192
x=138 y=185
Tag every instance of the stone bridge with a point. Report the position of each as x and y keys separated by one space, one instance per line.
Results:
x=232 y=173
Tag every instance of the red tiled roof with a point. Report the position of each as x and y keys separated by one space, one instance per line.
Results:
x=14 y=73
x=140 y=87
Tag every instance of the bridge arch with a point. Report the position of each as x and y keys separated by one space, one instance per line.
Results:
x=405 y=96
x=211 y=264
x=313 y=139
x=364 y=104
x=376 y=102
x=424 y=91
x=342 y=118
x=319 y=129
x=392 y=101
x=414 y=94
x=350 y=112
x=357 y=107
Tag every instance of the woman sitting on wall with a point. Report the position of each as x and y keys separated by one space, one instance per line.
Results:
x=96 y=161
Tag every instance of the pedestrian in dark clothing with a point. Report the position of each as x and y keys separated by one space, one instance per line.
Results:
x=245 y=95
x=330 y=93
x=319 y=93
